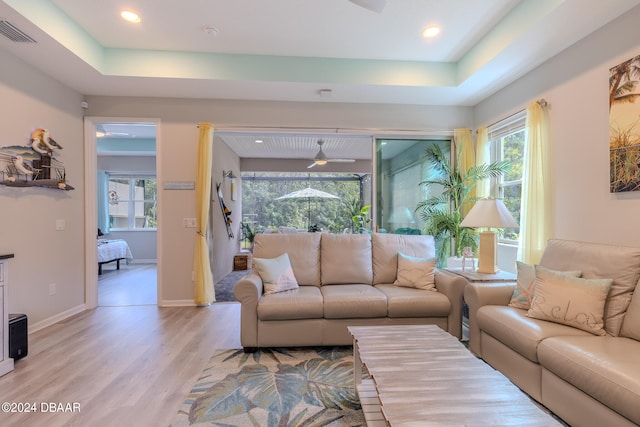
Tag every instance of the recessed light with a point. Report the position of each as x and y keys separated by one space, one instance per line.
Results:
x=430 y=31
x=130 y=16
x=259 y=141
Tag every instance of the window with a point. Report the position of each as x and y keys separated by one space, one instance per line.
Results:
x=264 y=208
x=401 y=167
x=132 y=202
x=508 y=143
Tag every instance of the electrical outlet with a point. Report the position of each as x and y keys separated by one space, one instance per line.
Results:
x=189 y=222
x=61 y=224
x=52 y=289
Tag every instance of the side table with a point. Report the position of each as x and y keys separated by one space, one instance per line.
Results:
x=482 y=278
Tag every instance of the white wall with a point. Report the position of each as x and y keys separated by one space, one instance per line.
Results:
x=28 y=215
x=575 y=83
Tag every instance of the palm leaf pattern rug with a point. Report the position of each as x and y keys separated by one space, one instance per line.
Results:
x=279 y=387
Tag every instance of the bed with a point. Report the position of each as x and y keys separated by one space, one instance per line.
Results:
x=113 y=250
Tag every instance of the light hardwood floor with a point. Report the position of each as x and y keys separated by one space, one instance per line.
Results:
x=133 y=284
x=124 y=366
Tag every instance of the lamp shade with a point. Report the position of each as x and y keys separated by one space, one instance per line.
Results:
x=489 y=213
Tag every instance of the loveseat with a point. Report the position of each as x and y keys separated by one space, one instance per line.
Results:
x=558 y=351
x=343 y=280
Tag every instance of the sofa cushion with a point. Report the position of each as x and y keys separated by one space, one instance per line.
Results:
x=353 y=301
x=631 y=324
x=302 y=303
x=276 y=274
x=597 y=261
x=571 y=301
x=409 y=302
x=345 y=258
x=606 y=368
x=414 y=272
x=303 y=250
x=522 y=334
x=385 y=249
x=525 y=285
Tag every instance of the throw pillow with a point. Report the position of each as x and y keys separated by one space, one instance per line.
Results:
x=276 y=274
x=416 y=272
x=571 y=301
x=525 y=284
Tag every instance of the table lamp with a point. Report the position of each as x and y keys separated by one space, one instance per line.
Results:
x=490 y=213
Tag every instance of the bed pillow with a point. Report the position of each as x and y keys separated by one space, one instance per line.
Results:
x=525 y=284
x=276 y=274
x=570 y=301
x=414 y=272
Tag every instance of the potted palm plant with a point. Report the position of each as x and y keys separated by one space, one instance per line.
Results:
x=443 y=214
x=249 y=232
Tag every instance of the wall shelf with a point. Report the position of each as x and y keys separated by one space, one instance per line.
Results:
x=46 y=183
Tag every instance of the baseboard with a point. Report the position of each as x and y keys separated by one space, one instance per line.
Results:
x=177 y=303
x=55 y=319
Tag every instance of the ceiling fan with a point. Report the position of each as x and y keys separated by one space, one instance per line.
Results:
x=372 y=5
x=321 y=159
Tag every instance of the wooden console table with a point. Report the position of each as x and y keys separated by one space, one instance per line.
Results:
x=423 y=376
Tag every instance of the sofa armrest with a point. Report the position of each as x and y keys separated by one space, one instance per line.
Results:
x=248 y=291
x=477 y=295
x=452 y=286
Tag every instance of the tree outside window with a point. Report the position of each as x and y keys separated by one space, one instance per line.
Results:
x=132 y=202
x=510 y=147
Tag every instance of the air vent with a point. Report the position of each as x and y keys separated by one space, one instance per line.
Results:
x=13 y=33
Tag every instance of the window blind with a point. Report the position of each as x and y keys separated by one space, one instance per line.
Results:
x=504 y=127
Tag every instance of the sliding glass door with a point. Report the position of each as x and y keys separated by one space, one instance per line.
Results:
x=401 y=166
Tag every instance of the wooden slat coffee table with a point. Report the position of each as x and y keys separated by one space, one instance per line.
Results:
x=424 y=376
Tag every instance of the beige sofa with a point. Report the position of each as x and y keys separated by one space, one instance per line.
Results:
x=345 y=279
x=587 y=380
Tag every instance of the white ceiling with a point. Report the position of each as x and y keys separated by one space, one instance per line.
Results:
x=289 y=50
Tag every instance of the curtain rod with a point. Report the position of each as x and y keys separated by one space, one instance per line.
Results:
x=541 y=102
x=374 y=131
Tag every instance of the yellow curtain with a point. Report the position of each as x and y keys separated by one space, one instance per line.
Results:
x=483 y=156
x=466 y=156
x=203 y=292
x=535 y=211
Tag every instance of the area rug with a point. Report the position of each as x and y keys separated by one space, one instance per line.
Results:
x=283 y=387
x=224 y=288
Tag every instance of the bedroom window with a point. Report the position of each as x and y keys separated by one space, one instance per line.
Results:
x=132 y=202
x=508 y=143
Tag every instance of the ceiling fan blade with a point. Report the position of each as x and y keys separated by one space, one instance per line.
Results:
x=311 y=165
x=372 y=5
x=341 y=160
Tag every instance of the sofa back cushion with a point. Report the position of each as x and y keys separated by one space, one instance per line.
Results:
x=303 y=250
x=345 y=259
x=631 y=323
x=599 y=261
x=385 y=249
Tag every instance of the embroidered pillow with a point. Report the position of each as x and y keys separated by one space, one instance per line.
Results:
x=416 y=272
x=525 y=284
x=571 y=301
x=276 y=274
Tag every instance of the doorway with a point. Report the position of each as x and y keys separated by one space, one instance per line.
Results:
x=121 y=161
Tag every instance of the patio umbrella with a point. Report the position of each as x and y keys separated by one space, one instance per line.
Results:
x=308 y=193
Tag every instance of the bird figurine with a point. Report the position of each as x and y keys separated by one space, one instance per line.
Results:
x=22 y=166
x=42 y=141
x=39 y=146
